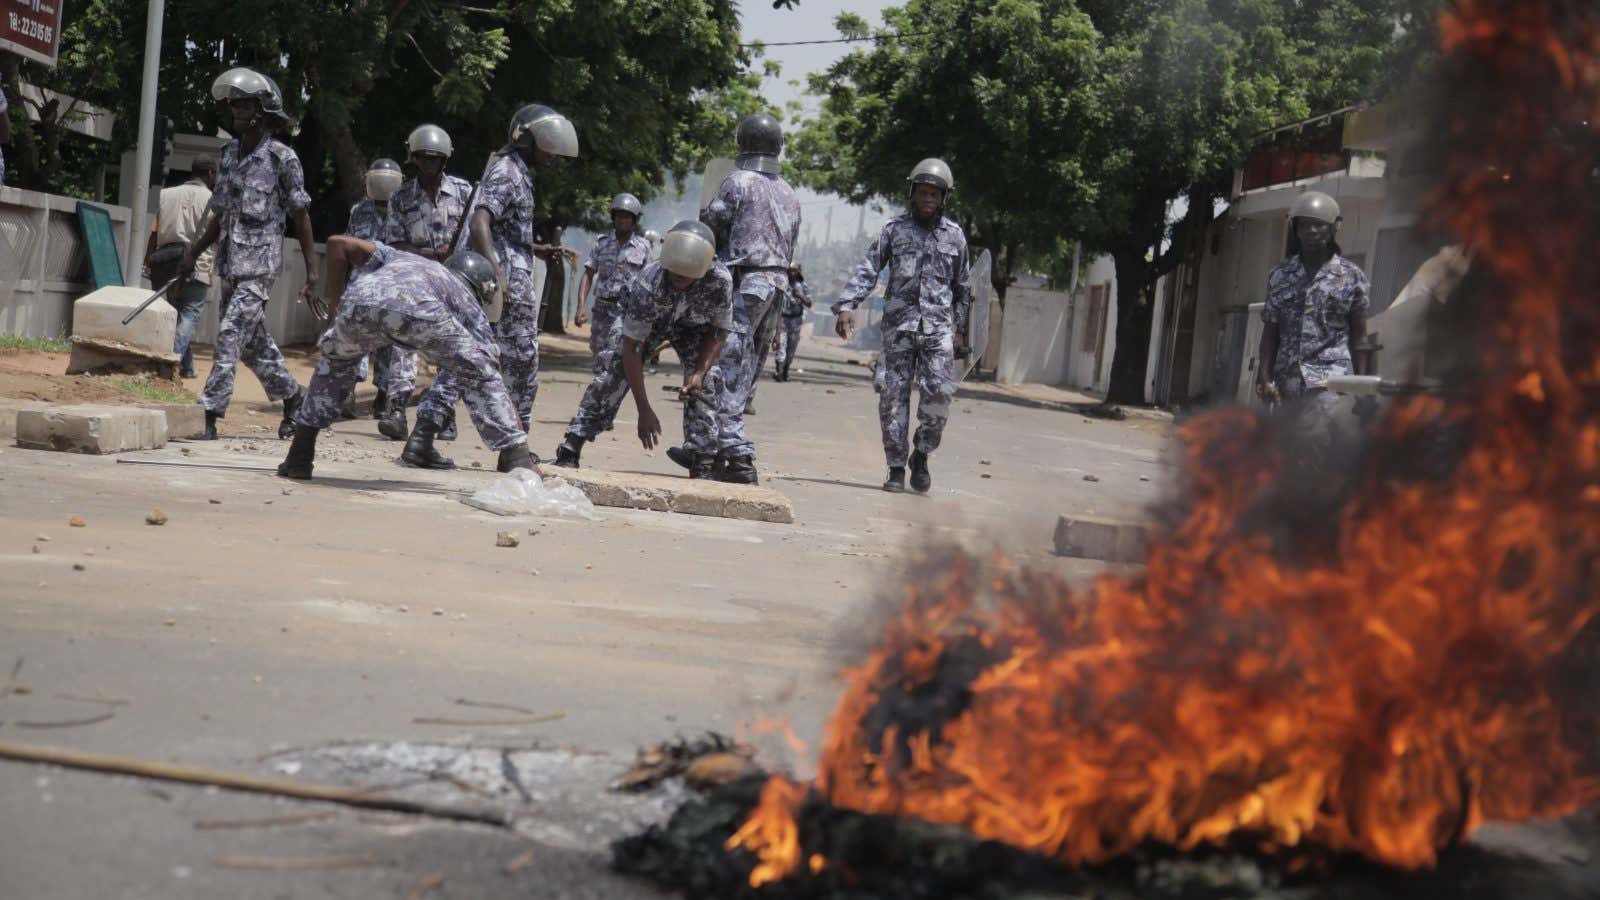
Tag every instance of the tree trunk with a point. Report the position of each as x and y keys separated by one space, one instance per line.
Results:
x=1134 y=317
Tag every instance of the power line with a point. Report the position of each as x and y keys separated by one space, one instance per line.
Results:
x=849 y=40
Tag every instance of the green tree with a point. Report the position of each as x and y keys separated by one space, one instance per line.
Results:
x=1084 y=118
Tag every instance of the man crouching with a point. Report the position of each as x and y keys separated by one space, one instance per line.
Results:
x=686 y=299
x=380 y=296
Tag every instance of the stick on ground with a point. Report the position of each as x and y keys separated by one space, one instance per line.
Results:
x=123 y=765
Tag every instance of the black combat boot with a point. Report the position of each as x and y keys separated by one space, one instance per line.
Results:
x=419 y=452
x=380 y=405
x=394 y=426
x=516 y=457
x=301 y=453
x=921 y=480
x=447 y=432
x=702 y=466
x=291 y=405
x=211 y=425
x=567 y=454
x=739 y=470
x=682 y=456
x=896 y=482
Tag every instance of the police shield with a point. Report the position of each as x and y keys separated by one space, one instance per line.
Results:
x=978 y=319
x=711 y=181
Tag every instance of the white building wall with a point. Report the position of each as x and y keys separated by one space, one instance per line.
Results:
x=1033 y=347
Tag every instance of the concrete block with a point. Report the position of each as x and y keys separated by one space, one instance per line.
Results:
x=99 y=316
x=95 y=356
x=184 y=420
x=662 y=493
x=8 y=415
x=92 y=429
x=1104 y=539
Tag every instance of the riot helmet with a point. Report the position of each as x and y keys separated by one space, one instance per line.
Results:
x=932 y=171
x=760 y=141
x=689 y=249
x=535 y=126
x=429 y=139
x=627 y=203
x=248 y=84
x=1315 y=205
x=476 y=273
x=383 y=179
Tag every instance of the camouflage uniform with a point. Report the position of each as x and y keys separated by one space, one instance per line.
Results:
x=925 y=306
x=402 y=299
x=254 y=195
x=416 y=219
x=794 y=317
x=614 y=264
x=651 y=312
x=506 y=191
x=1312 y=313
x=756 y=219
x=366 y=223
x=3 y=107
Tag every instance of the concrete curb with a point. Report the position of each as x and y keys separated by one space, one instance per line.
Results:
x=662 y=493
x=91 y=429
x=1085 y=537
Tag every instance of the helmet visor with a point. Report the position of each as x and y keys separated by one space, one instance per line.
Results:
x=686 y=253
x=382 y=183
x=239 y=84
x=555 y=135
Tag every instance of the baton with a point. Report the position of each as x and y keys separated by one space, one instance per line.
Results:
x=152 y=298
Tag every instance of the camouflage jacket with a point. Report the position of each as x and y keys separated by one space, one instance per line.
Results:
x=506 y=191
x=366 y=221
x=615 y=263
x=410 y=285
x=756 y=219
x=929 y=288
x=421 y=221
x=1312 y=313
x=651 y=306
x=254 y=195
x=799 y=292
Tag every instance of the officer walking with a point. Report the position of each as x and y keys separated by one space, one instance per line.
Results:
x=260 y=185
x=1315 y=315
x=377 y=296
x=616 y=260
x=925 y=312
x=756 y=219
x=686 y=299
x=500 y=227
x=424 y=216
x=794 y=317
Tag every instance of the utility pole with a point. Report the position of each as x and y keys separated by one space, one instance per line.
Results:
x=139 y=220
x=828 y=239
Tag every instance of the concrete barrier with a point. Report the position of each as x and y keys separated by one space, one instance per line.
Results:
x=680 y=495
x=92 y=429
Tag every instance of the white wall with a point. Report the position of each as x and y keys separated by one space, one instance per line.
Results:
x=1033 y=345
x=1080 y=363
x=42 y=261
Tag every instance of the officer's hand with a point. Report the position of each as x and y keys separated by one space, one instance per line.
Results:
x=1267 y=391
x=844 y=324
x=692 y=387
x=649 y=428
x=581 y=317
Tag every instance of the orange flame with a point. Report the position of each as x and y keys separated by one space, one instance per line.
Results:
x=1383 y=698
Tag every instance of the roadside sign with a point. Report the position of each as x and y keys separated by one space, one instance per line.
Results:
x=31 y=29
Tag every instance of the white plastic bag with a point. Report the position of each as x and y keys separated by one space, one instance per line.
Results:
x=522 y=493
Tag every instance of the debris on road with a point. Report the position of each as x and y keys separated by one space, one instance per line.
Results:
x=156 y=517
x=1091 y=478
x=519 y=862
x=78 y=567
x=42 y=538
x=437 y=611
x=716 y=769
x=67 y=723
x=214 y=501
x=273 y=822
x=507 y=539
x=985 y=462
x=426 y=886
x=505 y=707
x=985 y=475
x=658 y=762
x=488 y=723
x=295 y=862
x=77 y=522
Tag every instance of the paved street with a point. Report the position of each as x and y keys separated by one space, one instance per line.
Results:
x=298 y=630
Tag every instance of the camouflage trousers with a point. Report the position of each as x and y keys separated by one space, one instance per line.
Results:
x=604 y=395
x=517 y=334
x=789 y=340
x=242 y=336
x=753 y=302
x=605 y=347
x=433 y=332
x=768 y=331
x=928 y=362
x=396 y=373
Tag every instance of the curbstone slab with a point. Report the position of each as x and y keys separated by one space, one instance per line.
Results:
x=662 y=493
x=92 y=429
x=9 y=409
x=98 y=317
x=1086 y=537
x=184 y=420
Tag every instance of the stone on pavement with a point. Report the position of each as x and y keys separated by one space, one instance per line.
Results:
x=1110 y=540
x=92 y=429
x=661 y=493
x=99 y=316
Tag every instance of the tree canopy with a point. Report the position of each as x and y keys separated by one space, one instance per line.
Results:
x=1083 y=120
x=653 y=86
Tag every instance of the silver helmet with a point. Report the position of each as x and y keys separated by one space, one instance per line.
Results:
x=932 y=171
x=542 y=127
x=476 y=273
x=383 y=179
x=689 y=249
x=429 y=139
x=627 y=203
x=1315 y=205
x=760 y=141
x=242 y=84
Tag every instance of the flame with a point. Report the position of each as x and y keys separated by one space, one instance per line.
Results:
x=1382 y=693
